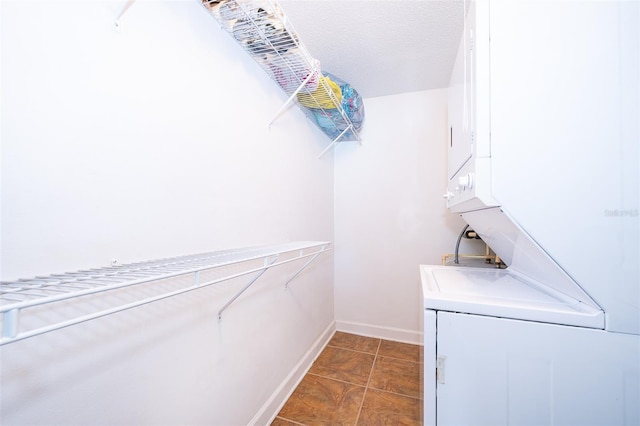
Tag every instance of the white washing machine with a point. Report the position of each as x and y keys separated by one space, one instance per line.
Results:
x=543 y=165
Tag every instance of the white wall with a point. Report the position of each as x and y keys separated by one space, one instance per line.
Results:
x=151 y=140
x=134 y=138
x=142 y=142
x=390 y=215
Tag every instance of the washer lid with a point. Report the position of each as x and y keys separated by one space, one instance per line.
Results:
x=502 y=293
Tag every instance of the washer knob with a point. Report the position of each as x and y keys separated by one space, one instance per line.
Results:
x=466 y=181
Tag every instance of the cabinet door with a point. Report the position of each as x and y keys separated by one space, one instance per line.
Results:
x=498 y=371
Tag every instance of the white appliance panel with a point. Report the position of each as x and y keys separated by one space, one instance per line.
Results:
x=460 y=149
x=503 y=293
x=469 y=150
x=553 y=186
x=564 y=140
x=518 y=250
x=554 y=103
x=501 y=371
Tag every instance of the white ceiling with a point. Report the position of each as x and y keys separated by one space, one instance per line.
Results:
x=381 y=47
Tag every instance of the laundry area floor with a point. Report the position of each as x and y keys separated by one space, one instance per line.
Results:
x=359 y=380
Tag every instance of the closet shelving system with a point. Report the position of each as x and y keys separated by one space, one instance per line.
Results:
x=145 y=282
x=263 y=30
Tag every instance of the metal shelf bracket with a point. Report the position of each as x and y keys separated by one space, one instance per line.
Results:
x=267 y=264
x=125 y=7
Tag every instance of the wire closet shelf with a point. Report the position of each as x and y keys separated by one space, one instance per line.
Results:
x=23 y=294
x=263 y=30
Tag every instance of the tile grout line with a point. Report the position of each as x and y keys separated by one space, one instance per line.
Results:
x=399 y=359
x=336 y=380
x=364 y=395
x=404 y=360
x=290 y=421
x=398 y=394
x=352 y=350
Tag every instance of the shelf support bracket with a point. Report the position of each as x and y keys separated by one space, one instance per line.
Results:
x=126 y=6
x=286 y=285
x=266 y=266
x=334 y=141
x=293 y=95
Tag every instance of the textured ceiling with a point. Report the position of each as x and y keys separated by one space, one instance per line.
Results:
x=381 y=47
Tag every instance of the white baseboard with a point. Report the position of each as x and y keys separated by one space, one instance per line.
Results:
x=279 y=397
x=387 y=333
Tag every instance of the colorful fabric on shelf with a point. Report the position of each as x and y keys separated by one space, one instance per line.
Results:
x=335 y=121
x=260 y=28
x=324 y=97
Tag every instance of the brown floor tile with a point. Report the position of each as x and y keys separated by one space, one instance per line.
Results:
x=344 y=364
x=383 y=408
x=355 y=342
x=396 y=375
x=380 y=379
x=322 y=401
x=400 y=350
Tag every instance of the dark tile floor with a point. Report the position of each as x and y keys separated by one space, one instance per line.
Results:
x=359 y=380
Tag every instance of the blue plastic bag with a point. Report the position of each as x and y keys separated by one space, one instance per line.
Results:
x=332 y=122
